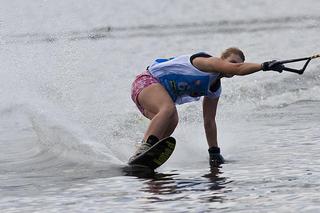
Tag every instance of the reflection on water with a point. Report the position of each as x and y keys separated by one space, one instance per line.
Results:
x=138 y=171
x=172 y=186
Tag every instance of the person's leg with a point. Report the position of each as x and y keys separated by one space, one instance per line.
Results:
x=160 y=109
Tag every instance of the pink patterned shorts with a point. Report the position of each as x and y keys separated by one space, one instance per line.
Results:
x=142 y=81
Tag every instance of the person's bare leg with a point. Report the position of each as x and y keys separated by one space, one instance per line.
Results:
x=160 y=109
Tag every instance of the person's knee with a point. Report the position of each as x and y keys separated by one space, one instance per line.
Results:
x=174 y=117
x=170 y=111
x=175 y=120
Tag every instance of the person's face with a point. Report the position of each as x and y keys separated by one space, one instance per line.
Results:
x=233 y=58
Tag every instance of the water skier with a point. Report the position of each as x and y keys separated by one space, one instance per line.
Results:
x=183 y=79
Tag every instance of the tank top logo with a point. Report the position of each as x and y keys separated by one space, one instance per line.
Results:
x=161 y=60
x=185 y=85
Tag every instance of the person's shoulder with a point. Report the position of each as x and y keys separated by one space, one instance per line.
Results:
x=199 y=55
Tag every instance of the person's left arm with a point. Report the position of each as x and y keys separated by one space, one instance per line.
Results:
x=209 y=106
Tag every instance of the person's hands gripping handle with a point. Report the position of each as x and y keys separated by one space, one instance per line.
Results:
x=279 y=65
x=273 y=65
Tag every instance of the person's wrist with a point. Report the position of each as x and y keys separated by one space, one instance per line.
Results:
x=214 y=149
x=265 y=66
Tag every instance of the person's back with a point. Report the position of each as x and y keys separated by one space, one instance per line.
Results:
x=184 y=82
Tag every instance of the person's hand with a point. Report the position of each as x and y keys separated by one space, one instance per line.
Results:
x=272 y=65
x=215 y=157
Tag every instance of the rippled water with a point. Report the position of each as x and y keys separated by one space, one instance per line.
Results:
x=68 y=126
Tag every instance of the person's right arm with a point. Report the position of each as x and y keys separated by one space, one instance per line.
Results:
x=214 y=64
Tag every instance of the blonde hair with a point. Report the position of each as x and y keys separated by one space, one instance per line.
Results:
x=232 y=50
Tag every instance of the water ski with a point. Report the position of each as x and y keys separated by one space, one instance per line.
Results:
x=157 y=155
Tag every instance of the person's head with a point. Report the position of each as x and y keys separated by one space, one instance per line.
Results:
x=232 y=55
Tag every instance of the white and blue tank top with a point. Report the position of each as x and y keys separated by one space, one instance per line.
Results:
x=183 y=81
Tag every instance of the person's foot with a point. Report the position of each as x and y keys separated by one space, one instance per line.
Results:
x=144 y=146
x=215 y=157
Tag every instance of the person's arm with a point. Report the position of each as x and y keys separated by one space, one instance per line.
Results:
x=209 y=115
x=209 y=106
x=214 y=64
